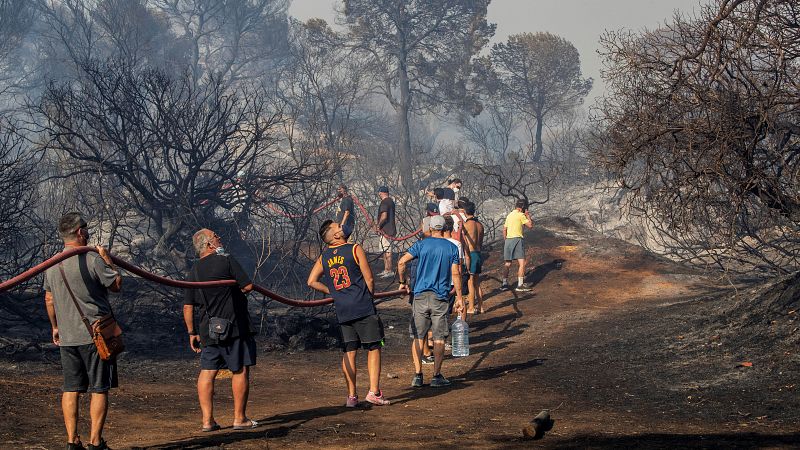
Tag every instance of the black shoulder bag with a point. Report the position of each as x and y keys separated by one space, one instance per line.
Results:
x=219 y=328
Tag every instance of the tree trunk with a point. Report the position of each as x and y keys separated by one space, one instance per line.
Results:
x=537 y=155
x=162 y=246
x=406 y=176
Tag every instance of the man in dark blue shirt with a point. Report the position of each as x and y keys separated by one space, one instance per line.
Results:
x=343 y=271
x=437 y=271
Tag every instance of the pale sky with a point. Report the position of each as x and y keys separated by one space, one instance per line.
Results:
x=579 y=21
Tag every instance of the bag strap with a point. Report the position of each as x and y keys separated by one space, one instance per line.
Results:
x=75 y=301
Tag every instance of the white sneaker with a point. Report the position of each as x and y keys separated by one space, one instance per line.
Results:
x=386 y=274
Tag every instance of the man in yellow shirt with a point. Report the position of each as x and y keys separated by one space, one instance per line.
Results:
x=514 y=248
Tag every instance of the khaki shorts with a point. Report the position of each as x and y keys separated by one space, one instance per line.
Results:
x=387 y=245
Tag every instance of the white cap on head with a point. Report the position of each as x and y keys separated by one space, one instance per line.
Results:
x=437 y=223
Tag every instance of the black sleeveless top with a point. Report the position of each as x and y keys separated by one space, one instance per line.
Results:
x=342 y=275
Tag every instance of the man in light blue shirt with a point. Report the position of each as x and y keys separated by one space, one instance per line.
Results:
x=437 y=271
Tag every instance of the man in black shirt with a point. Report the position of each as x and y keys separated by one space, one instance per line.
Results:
x=386 y=225
x=346 y=214
x=224 y=330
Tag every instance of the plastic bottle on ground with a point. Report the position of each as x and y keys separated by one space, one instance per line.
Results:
x=460 y=336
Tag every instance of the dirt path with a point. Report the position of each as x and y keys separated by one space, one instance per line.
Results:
x=596 y=340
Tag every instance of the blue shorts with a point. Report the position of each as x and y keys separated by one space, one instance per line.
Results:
x=238 y=353
x=475 y=263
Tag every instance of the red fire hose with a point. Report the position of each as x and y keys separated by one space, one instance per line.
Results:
x=32 y=272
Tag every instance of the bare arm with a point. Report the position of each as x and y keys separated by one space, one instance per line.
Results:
x=344 y=217
x=401 y=268
x=464 y=247
x=117 y=285
x=456 y=272
x=530 y=221
x=188 y=319
x=383 y=217
x=504 y=232
x=366 y=270
x=247 y=288
x=51 y=314
x=314 y=277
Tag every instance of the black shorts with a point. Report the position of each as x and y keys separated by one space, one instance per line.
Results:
x=84 y=371
x=233 y=355
x=366 y=332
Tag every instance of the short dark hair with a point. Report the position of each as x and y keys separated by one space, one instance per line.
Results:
x=455 y=180
x=343 y=187
x=438 y=193
x=323 y=229
x=463 y=201
x=449 y=223
x=521 y=203
x=469 y=208
x=69 y=223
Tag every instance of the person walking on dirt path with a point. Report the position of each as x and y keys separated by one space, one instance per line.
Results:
x=432 y=209
x=346 y=213
x=342 y=271
x=224 y=338
x=437 y=269
x=86 y=280
x=388 y=228
x=514 y=244
x=473 y=238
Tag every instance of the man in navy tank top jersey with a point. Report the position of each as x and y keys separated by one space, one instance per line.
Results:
x=343 y=272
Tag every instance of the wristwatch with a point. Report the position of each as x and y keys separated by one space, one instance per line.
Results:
x=193 y=333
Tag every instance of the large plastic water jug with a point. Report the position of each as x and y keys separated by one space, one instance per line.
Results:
x=460 y=333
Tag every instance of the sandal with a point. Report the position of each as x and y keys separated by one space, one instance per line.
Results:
x=242 y=426
x=214 y=427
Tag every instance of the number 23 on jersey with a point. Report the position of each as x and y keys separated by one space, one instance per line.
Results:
x=341 y=279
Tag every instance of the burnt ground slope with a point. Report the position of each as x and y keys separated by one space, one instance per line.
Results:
x=626 y=349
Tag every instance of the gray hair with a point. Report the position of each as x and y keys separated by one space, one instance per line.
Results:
x=200 y=240
x=69 y=224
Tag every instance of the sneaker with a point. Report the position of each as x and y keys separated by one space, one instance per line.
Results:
x=504 y=286
x=439 y=381
x=523 y=288
x=101 y=446
x=352 y=402
x=427 y=359
x=377 y=399
x=386 y=274
x=417 y=380
x=72 y=446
